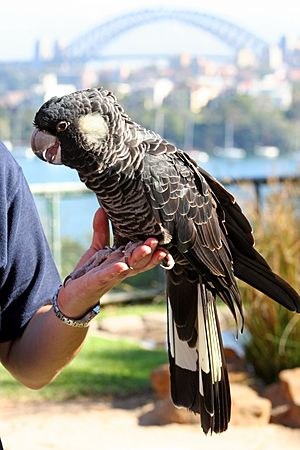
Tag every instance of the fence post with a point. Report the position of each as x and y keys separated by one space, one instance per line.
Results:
x=258 y=198
x=53 y=200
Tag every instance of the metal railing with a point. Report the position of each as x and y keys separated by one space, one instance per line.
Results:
x=53 y=193
x=260 y=182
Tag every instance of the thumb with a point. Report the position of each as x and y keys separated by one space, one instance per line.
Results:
x=100 y=229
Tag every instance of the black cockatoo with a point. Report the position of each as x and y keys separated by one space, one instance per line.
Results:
x=148 y=187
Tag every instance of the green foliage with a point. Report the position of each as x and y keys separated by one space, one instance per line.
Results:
x=4 y=125
x=137 y=107
x=274 y=341
x=14 y=80
x=137 y=309
x=255 y=122
x=151 y=279
x=71 y=253
x=20 y=123
x=294 y=111
x=103 y=368
x=174 y=126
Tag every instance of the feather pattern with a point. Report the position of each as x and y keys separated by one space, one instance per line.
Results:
x=148 y=187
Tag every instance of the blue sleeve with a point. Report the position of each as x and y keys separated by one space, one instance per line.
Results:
x=28 y=276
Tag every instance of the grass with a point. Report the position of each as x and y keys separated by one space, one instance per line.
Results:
x=120 y=367
x=103 y=368
x=137 y=309
x=274 y=342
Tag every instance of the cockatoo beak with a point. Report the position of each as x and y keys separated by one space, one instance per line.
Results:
x=46 y=147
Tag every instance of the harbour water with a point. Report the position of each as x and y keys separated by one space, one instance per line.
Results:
x=37 y=171
x=76 y=212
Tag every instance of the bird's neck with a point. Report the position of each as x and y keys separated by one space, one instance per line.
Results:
x=108 y=178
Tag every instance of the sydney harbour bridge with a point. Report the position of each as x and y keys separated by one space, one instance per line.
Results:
x=90 y=46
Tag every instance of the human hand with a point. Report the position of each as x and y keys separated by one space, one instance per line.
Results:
x=100 y=237
x=81 y=294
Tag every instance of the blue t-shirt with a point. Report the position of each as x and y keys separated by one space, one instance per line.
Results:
x=28 y=276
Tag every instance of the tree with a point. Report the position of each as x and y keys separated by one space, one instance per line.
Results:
x=255 y=122
x=4 y=125
x=293 y=112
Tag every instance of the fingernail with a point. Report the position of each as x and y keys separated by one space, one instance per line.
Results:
x=124 y=268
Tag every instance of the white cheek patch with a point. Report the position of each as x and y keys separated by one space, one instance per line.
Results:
x=93 y=128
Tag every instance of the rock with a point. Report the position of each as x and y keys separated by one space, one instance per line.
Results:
x=247 y=407
x=234 y=361
x=278 y=393
x=238 y=377
x=155 y=327
x=160 y=379
x=288 y=415
x=285 y=398
x=149 y=329
x=155 y=320
x=130 y=325
x=164 y=412
x=237 y=370
x=291 y=379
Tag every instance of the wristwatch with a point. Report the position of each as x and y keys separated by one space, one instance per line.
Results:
x=83 y=322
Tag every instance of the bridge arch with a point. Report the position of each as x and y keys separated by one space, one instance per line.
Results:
x=90 y=45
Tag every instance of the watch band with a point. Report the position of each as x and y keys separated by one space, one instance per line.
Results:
x=83 y=322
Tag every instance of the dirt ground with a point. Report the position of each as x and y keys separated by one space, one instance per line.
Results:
x=93 y=425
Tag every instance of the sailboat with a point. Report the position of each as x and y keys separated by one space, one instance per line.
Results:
x=229 y=150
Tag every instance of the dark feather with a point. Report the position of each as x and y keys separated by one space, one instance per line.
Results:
x=148 y=187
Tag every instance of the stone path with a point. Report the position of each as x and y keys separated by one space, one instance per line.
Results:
x=92 y=425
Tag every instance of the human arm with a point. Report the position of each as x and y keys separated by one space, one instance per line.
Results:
x=47 y=345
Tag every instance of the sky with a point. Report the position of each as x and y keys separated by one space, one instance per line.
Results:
x=22 y=23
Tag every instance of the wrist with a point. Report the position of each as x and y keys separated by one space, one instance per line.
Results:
x=73 y=302
x=71 y=312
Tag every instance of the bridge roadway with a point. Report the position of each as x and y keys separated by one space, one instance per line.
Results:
x=90 y=45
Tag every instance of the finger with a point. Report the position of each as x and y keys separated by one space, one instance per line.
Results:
x=140 y=257
x=108 y=273
x=95 y=283
x=168 y=262
x=156 y=259
x=143 y=253
x=101 y=230
x=152 y=243
x=158 y=256
x=147 y=263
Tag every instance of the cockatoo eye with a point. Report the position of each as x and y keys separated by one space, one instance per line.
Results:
x=62 y=126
